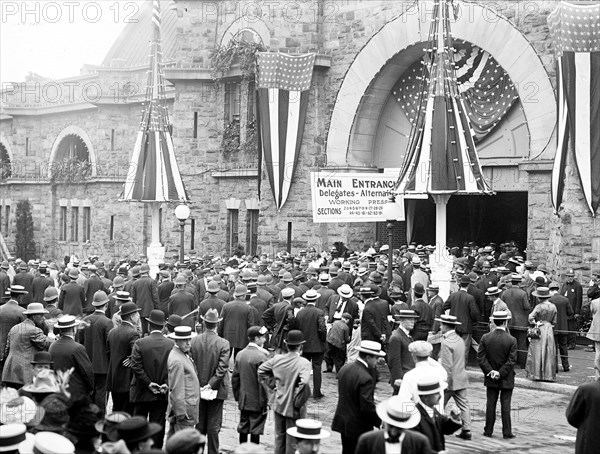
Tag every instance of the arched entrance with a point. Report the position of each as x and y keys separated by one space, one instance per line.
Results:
x=72 y=157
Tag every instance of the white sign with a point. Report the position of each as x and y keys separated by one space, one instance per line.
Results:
x=351 y=197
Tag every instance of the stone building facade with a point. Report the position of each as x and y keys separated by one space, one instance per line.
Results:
x=352 y=125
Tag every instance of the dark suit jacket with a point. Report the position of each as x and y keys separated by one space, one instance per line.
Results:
x=518 y=304
x=72 y=299
x=325 y=293
x=311 y=321
x=374 y=321
x=374 y=442
x=435 y=429
x=11 y=314
x=400 y=360
x=94 y=338
x=564 y=311
x=144 y=293
x=351 y=307
x=265 y=295
x=479 y=296
x=237 y=318
x=583 y=413
x=574 y=292
x=165 y=288
x=149 y=365
x=463 y=306
x=91 y=286
x=182 y=303
x=211 y=356
x=248 y=392
x=119 y=346
x=425 y=321
x=260 y=305
x=355 y=413
x=26 y=280
x=498 y=351
x=212 y=302
x=67 y=353
x=39 y=285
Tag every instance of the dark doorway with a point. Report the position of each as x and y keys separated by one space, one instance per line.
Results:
x=483 y=219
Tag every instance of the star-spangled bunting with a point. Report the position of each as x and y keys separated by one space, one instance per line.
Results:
x=441 y=157
x=283 y=89
x=575 y=31
x=153 y=171
x=487 y=90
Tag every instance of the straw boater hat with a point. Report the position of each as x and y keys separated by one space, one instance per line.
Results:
x=428 y=385
x=345 y=291
x=18 y=289
x=287 y=292
x=448 y=319
x=308 y=429
x=181 y=333
x=47 y=443
x=311 y=295
x=122 y=296
x=398 y=412
x=66 y=321
x=500 y=315
x=491 y=291
x=406 y=313
x=370 y=348
x=13 y=437
x=541 y=292
x=111 y=420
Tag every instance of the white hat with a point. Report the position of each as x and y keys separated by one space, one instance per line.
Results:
x=398 y=412
x=47 y=443
x=370 y=348
x=429 y=385
x=308 y=429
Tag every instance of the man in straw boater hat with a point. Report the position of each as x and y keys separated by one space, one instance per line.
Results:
x=23 y=340
x=248 y=392
x=149 y=356
x=184 y=388
x=67 y=353
x=120 y=343
x=397 y=416
x=211 y=354
x=400 y=360
x=434 y=424
x=452 y=359
x=308 y=434
x=497 y=356
x=289 y=374
x=355 y=413
x=94 y=337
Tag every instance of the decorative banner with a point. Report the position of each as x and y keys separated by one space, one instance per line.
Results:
x=351 y=197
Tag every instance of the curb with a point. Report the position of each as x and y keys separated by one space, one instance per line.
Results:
x=559 y=388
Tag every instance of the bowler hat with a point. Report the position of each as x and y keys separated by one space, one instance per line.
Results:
x=73 y=273
x=211 y=316
x=308 y=429
x=35 y=308
x=465 y=279
x=240 y=290
x=180 y=280
x=42 y=358
x=294 y=337
x=128 y=308
x=100 y=298
x=157 y=317
x=174 y=320
x=398 y=412
x=187 y=440
x=145 y=268
x=4 y=265
x=419 y=289
x=213 y=287
x=255 y=331
x=134 y=429
x=135 y=271
x=50 y=294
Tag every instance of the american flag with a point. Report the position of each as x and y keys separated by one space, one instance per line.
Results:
x=487 y=89
x=283 y=88
x=575 y=31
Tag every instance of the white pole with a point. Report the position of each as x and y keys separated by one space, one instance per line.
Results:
x=156 y=252
x=440 y=262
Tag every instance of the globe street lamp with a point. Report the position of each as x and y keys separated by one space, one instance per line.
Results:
x=182 y=212
x=392 y=211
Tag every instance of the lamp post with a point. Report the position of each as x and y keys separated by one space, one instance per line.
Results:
x=392 y=211
x=182 y=212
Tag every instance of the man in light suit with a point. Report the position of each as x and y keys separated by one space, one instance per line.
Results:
x=211 y=356
x=120 y=344
x=452 y=359
x=149 y=363
x=94 y=337
x=311 y=321
x=248 y=392
x=355 y=412
x=289 y=374
x=398 y=416
x=184 y=388
x=497 y=356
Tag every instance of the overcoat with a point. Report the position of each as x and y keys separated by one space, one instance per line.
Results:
x=374 y=442
x=463 y=307
x=237 y=318
x=311 y=321
x=583 y=413
x=119 y=346
x=72 y=299
x=435 y=429
x=400 y=360
x=24 y=339
x=564 y=311
x=10 y=315
x=66 y=354
x=94 y=338
x=144 y=293
x=247 y=390
x=498 y=351
x=149 y=364
x=211 y=357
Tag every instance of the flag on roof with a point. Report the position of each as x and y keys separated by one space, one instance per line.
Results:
x=575 y=31
x=283 y=89
x=441 y=155
x=153 y=171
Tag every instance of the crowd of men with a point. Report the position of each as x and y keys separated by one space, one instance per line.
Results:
x=165 y=351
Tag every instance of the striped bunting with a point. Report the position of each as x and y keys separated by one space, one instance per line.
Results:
x=283 y=90
x=575 y=31
x=153 y=171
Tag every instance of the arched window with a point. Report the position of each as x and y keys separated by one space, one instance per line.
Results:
x=72 y=159
x=5 y=165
